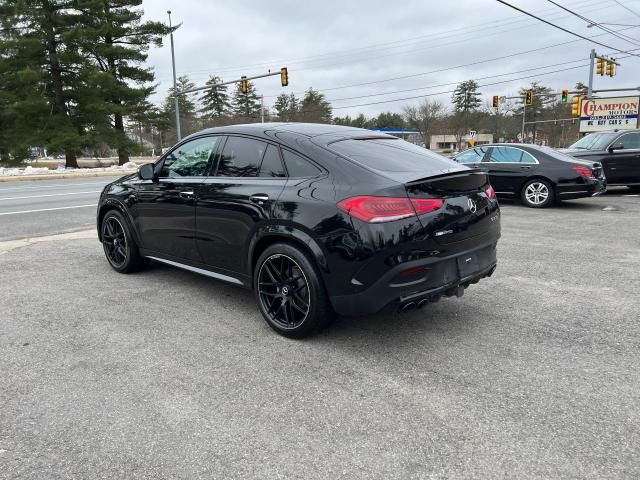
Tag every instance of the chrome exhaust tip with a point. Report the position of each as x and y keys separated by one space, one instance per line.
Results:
x=422 y=302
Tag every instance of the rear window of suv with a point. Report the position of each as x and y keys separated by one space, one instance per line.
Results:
x=391 y=155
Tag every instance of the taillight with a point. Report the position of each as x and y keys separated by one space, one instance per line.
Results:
x=491 y=193
x=583 y=171
x=387 y=209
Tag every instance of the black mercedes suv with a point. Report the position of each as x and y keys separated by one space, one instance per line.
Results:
x=617 y=151
x=316 y=219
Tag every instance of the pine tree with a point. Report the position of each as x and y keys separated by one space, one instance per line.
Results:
x=215 y=101
x=246 y=106
x=116 y=41
x=315 y=108
x=186 y=106
x=41 y=63
x=466 y=97
x=286 y=107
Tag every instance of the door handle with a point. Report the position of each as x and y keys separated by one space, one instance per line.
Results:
x=259 y=198
x=186 y=195
x=526 y=167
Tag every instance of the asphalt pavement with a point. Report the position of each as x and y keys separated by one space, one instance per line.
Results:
x=44 y=207
x=533 y=373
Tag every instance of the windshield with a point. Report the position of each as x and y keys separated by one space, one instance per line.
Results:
x=594 y=141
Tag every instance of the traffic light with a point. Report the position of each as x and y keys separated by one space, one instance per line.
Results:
x=496 y=101
x=611 y=68
x=284 y=76
x=528 y=97
x=565 y=96
x=576 y=106
x=600 y=66
x=244 y=85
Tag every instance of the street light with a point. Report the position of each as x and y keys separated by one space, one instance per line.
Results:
x=175 y=84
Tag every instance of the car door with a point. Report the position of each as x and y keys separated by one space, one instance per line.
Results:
x=623 y=160
x=508 y=168
x=164 y=209
x=248 y=179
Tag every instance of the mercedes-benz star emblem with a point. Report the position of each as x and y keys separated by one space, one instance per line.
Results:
x=472 y=205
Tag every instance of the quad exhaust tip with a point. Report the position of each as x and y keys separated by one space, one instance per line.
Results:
x=422 y=302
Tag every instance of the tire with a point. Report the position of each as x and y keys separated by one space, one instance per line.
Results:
x=537 y=193
x=285 y=279
x=118 y=244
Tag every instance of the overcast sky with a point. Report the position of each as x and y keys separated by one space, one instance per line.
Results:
x=330 y=44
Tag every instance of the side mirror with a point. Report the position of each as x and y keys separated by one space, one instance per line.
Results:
x=147 y=172
x=616 y=146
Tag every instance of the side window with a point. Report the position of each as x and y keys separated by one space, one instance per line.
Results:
x=528 y=158
x=241 y=157
x=473 y=155
x=506 y=155
x=272 y=164
x=630 y=140
x=298 y=166
x=189 y=159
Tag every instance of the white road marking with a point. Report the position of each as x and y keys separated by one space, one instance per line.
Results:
x=48 y=209
x=631 y=195
x=50 y=195
x=52 y=186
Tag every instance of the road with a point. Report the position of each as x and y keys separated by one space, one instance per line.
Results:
x=533 y=373
x=44 y=207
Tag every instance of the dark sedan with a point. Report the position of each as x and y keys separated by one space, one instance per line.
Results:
x=315 y=219
x=618 y=152
x=536 y=175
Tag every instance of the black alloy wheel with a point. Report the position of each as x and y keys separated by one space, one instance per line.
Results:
x=114 y=241
x=290 y=293
x=118 y=244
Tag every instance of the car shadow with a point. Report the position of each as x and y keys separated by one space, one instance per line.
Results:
x=445 y=317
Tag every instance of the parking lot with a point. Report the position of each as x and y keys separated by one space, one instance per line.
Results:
x=533 y=373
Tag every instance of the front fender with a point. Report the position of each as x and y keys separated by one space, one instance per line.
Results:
x=110 y=203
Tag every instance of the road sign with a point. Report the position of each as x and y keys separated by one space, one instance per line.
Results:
x=598 y=114
x=472 y=134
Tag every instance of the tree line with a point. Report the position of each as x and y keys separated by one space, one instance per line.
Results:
x=74 y=79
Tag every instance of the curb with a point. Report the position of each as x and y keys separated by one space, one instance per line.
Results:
x=54 y=176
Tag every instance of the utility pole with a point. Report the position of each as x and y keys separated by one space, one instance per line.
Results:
x=175 y=84
x=261 y=108
x=592 y=58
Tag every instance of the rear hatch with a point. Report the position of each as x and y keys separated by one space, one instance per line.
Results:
x=467 y=210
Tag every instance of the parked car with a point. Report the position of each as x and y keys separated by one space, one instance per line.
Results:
x=313 y=218
x=537 y=175
x=617 y=151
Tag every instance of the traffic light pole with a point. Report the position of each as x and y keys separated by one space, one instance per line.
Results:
x=209 y=87
x=592 y=62
x=524 y=112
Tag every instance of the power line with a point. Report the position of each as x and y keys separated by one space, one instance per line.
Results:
x=562 y=28
x=380 y=46
x=593 y=22
x=444 y=69
x=627 y=8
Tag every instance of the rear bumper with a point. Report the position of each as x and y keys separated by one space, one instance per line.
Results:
x=592 y=188
x=446 y=276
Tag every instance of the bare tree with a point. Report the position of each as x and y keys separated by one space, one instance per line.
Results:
x=424 y=117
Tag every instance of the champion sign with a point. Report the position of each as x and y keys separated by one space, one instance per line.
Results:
x=620 y=113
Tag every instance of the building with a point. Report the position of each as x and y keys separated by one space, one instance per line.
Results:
x=449 y=143
x=408 y=134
